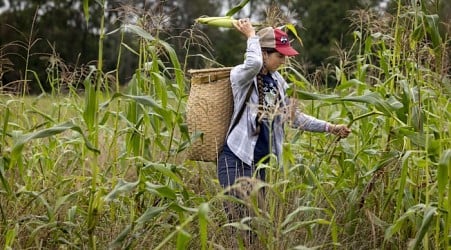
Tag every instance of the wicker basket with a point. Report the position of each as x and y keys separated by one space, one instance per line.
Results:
x=209 y=111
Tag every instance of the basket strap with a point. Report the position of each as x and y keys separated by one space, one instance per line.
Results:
x=238 y=117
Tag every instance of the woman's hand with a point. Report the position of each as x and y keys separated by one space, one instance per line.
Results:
x=245 y=27
x=340 y=130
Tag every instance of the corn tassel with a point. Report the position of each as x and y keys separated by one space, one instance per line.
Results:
x=224 y=22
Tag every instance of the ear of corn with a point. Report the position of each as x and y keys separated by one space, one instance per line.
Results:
x=224 y=22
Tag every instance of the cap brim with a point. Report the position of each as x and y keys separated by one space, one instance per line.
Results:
x=287 y=51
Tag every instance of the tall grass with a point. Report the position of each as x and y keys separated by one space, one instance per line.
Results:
x=107 y=169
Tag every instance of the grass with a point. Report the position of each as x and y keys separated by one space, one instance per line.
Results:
x=106 y=169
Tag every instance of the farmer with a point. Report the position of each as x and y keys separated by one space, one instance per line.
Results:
x=259 y=129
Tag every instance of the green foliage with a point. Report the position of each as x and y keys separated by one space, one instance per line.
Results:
x=99 y=169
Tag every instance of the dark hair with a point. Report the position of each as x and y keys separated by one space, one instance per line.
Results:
x=269 y=50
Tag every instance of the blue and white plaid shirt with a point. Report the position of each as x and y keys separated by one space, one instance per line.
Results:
x=242 y=139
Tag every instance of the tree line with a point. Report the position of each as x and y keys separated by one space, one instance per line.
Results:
x=41 y=38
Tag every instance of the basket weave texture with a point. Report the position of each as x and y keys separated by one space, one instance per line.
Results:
x=209 y=111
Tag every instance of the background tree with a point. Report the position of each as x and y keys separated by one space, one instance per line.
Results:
x=59 y=33
x=44 y=36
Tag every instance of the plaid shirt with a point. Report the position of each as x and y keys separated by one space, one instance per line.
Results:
x=242 y=139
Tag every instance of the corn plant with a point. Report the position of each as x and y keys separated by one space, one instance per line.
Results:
x=107 y=170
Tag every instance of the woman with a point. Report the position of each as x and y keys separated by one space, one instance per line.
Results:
x=259 y=129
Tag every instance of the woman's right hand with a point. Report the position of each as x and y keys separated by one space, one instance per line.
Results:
x=245 y=27
x=340 y=130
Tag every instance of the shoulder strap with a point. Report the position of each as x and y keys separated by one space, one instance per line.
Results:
x=240 y=113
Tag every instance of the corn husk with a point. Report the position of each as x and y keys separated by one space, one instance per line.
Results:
x=221 y=21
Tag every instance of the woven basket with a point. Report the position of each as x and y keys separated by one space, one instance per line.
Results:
x=209 y=111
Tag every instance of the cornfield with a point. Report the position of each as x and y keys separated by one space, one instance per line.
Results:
x=107 y=168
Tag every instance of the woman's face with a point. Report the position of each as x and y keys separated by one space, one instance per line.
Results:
x=273 y=60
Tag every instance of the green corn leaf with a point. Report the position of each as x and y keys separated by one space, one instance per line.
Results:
x=105 y=118
x=238 y=225
x=145 y=100
x=63 y=200
x=44 y=227
x=301 y=224
x=369 y=44
x=138 y=31
x=117 y=243
x=149 y=214
x=301 y=247
x=374 y=99
x=161 y=190
x=397 y=225
x=71 y=213
x=165 y=170
x=351 y=83
x=417 y=118
x=159 y=111
x=402 y=181
x=161 y=90
x=175 y=63
x=416 y=138
x=417 y=34
x=290 y=217
x=23 y=139
x=394 y=103
x=293 y=30
x=386 y=159
x=182 y=209
x=444 y=175
x=369 y=98
x=425 y=224
x=318 y=184
x=432 y=27
x=39 y=196
x=183 y=237
x=203 y=223
x=237 y=8
x=86 y=10
x=44 y=115
x=120 y=188
x=10 y=237
x=304 y=95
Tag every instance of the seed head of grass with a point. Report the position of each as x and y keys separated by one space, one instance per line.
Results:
x=152 y=19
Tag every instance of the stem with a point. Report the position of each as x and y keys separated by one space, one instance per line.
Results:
x=331 y=149
x=94 y=136
x=118 y=62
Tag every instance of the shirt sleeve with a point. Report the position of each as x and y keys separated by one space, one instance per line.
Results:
x=308 y=123
x=300 y=120
x=244 y=73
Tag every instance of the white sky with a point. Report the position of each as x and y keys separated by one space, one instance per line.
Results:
x=4 y=6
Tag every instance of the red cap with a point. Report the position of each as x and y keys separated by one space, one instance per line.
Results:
x=277 y=39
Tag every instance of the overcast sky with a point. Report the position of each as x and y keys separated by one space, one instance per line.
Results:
x=4 y=5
